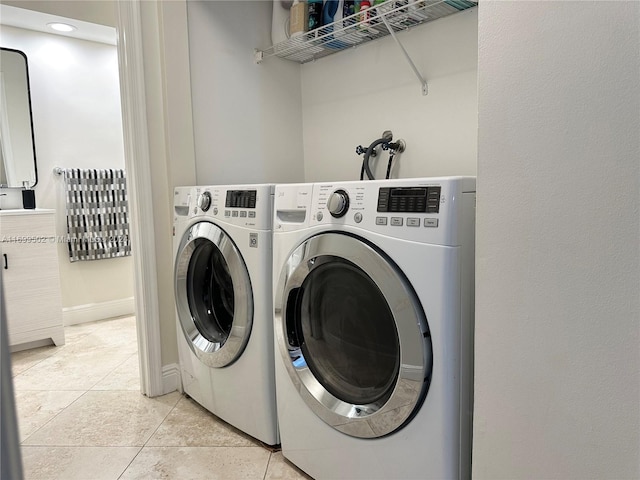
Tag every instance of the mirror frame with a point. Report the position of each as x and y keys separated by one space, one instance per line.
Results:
x=33 y=137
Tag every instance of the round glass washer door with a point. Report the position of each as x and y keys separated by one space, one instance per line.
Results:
x=213 y=292
x=353 y=335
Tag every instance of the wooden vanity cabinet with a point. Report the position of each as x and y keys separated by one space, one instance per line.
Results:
x=31 y=276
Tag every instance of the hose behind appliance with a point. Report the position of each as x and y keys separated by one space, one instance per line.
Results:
x=387 y=136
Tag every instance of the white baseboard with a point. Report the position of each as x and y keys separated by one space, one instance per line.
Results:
x=171 y=378
x=98 y=311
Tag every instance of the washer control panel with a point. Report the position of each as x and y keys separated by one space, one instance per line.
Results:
x=401 y=206
x=241 y=199
x=415 y=209
x=418 y=209
x=247 y=206
x=409 y=199
x=342 y=204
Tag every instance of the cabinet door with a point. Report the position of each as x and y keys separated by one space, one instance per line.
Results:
x=32 y=287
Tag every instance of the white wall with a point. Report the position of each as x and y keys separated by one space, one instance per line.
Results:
x=250 y=121
x=77 y=123
x=247 y=117
x=351 y=97
x=557 y=385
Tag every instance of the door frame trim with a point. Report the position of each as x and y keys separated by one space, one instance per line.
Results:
x=138 y=165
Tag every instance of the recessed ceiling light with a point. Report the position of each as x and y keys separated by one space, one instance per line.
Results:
x=61 y=27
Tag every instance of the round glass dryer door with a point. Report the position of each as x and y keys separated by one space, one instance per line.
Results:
x=353 y=335
x=213 y=295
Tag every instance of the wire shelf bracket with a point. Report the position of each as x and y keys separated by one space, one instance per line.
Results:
x=423 y=82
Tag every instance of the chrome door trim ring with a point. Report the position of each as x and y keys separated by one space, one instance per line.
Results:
x=394 y=411
x=214 y=354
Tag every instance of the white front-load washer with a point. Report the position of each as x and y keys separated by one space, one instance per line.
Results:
x=222 y=268
x=373 y=318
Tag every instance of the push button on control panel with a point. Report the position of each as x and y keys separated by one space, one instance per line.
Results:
x=381 y=220
x=433 y=200
x=243 y=214
x=413 y=222
x=252 y=214
x=357 y=217
x=234 y=213
x=430 y=222
x=396 y=221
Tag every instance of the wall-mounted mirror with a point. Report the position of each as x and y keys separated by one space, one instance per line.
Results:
x=17 y=144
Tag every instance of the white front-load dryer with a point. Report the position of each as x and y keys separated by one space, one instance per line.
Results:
x=373 y=318
x=222 y=269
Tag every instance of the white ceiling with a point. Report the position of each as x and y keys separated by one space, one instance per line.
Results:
x=31 y=20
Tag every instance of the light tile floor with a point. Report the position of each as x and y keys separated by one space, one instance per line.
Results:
x=81 y=416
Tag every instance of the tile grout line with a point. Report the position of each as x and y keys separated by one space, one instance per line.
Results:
x=145 y=443
x=147 y=440
x=129 y=464
x=110 y=372
x=95 y=329
x=161 y=423
x=266 y=470
x=52 y=418
x=83 y=392
x=115 y=368
x=29 y=368
x=60 y=350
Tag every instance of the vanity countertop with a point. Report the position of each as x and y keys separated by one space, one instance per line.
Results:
x=25 y=211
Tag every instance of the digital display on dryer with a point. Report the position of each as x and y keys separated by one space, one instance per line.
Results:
x=409 y=199
x=241 y=199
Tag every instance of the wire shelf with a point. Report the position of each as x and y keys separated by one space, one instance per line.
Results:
x=355 y=29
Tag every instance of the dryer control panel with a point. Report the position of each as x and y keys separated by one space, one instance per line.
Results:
x=420 y=210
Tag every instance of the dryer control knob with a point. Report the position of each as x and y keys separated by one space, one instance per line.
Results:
x=204 y=201
x=338 y=203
